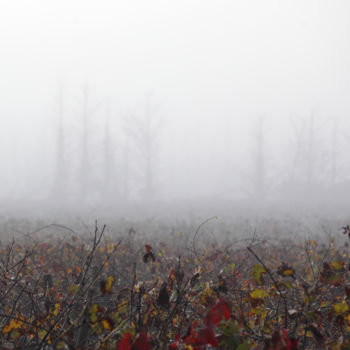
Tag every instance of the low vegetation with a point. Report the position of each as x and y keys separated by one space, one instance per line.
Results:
x=134 y=293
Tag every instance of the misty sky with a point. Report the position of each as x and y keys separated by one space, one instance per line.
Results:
x=212 y=67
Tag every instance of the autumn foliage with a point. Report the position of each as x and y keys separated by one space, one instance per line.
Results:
x=129 y=293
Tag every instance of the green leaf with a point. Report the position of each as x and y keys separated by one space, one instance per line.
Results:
x=243 y=346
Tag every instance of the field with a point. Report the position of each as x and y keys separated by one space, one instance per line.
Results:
x=186 y=289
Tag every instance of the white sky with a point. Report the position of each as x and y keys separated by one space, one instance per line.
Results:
x=246 y=55
x=210 y=64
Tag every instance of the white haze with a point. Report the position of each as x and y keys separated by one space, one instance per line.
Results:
x=208 y=71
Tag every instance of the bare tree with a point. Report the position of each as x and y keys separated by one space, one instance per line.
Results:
x=310 y=156
x=260 y=162
x=143 y=132
x=315 y=160
x=334 y=153
x=84 y=160
x=125 y=191
x=148 y=152
x=298 y=139
x=85 y=171
x=59 y=184
x=108 y=156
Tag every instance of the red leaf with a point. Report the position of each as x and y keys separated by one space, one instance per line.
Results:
x=204 y=336
x=221 y=310
x=274 y=343
x=291 y=344
x=124 y=344
x=141 y=342
x=173 y=346
x=207 y=336
x=191 y=337
x=56 y=267
x=148 y=248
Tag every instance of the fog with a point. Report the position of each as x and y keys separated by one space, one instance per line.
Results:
x=181 y=107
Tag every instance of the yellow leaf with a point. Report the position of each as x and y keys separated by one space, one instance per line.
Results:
x=340 y=308
x=258 y=272
x=123 y=307
x=110 y=248
x=55 y=311
x=107 y=323
x=348 y=319
x=208 y=294
x=94 y=308
x=14 y=324
x=42 y=334
x=73 y=288
x=312 y=243
x=109 y=283
x=288 y=285
x=7 y=329
x=258 y=294
x=309 y=334
x=61 y=345
x=337 y=265
x=288 y=272
x=93 y=313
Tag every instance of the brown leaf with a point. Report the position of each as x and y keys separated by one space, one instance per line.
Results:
x=316 y=333
x=163 y=296
x=222 y=285
x=148 y=257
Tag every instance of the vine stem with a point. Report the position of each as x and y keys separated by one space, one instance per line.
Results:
x=275 y=284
